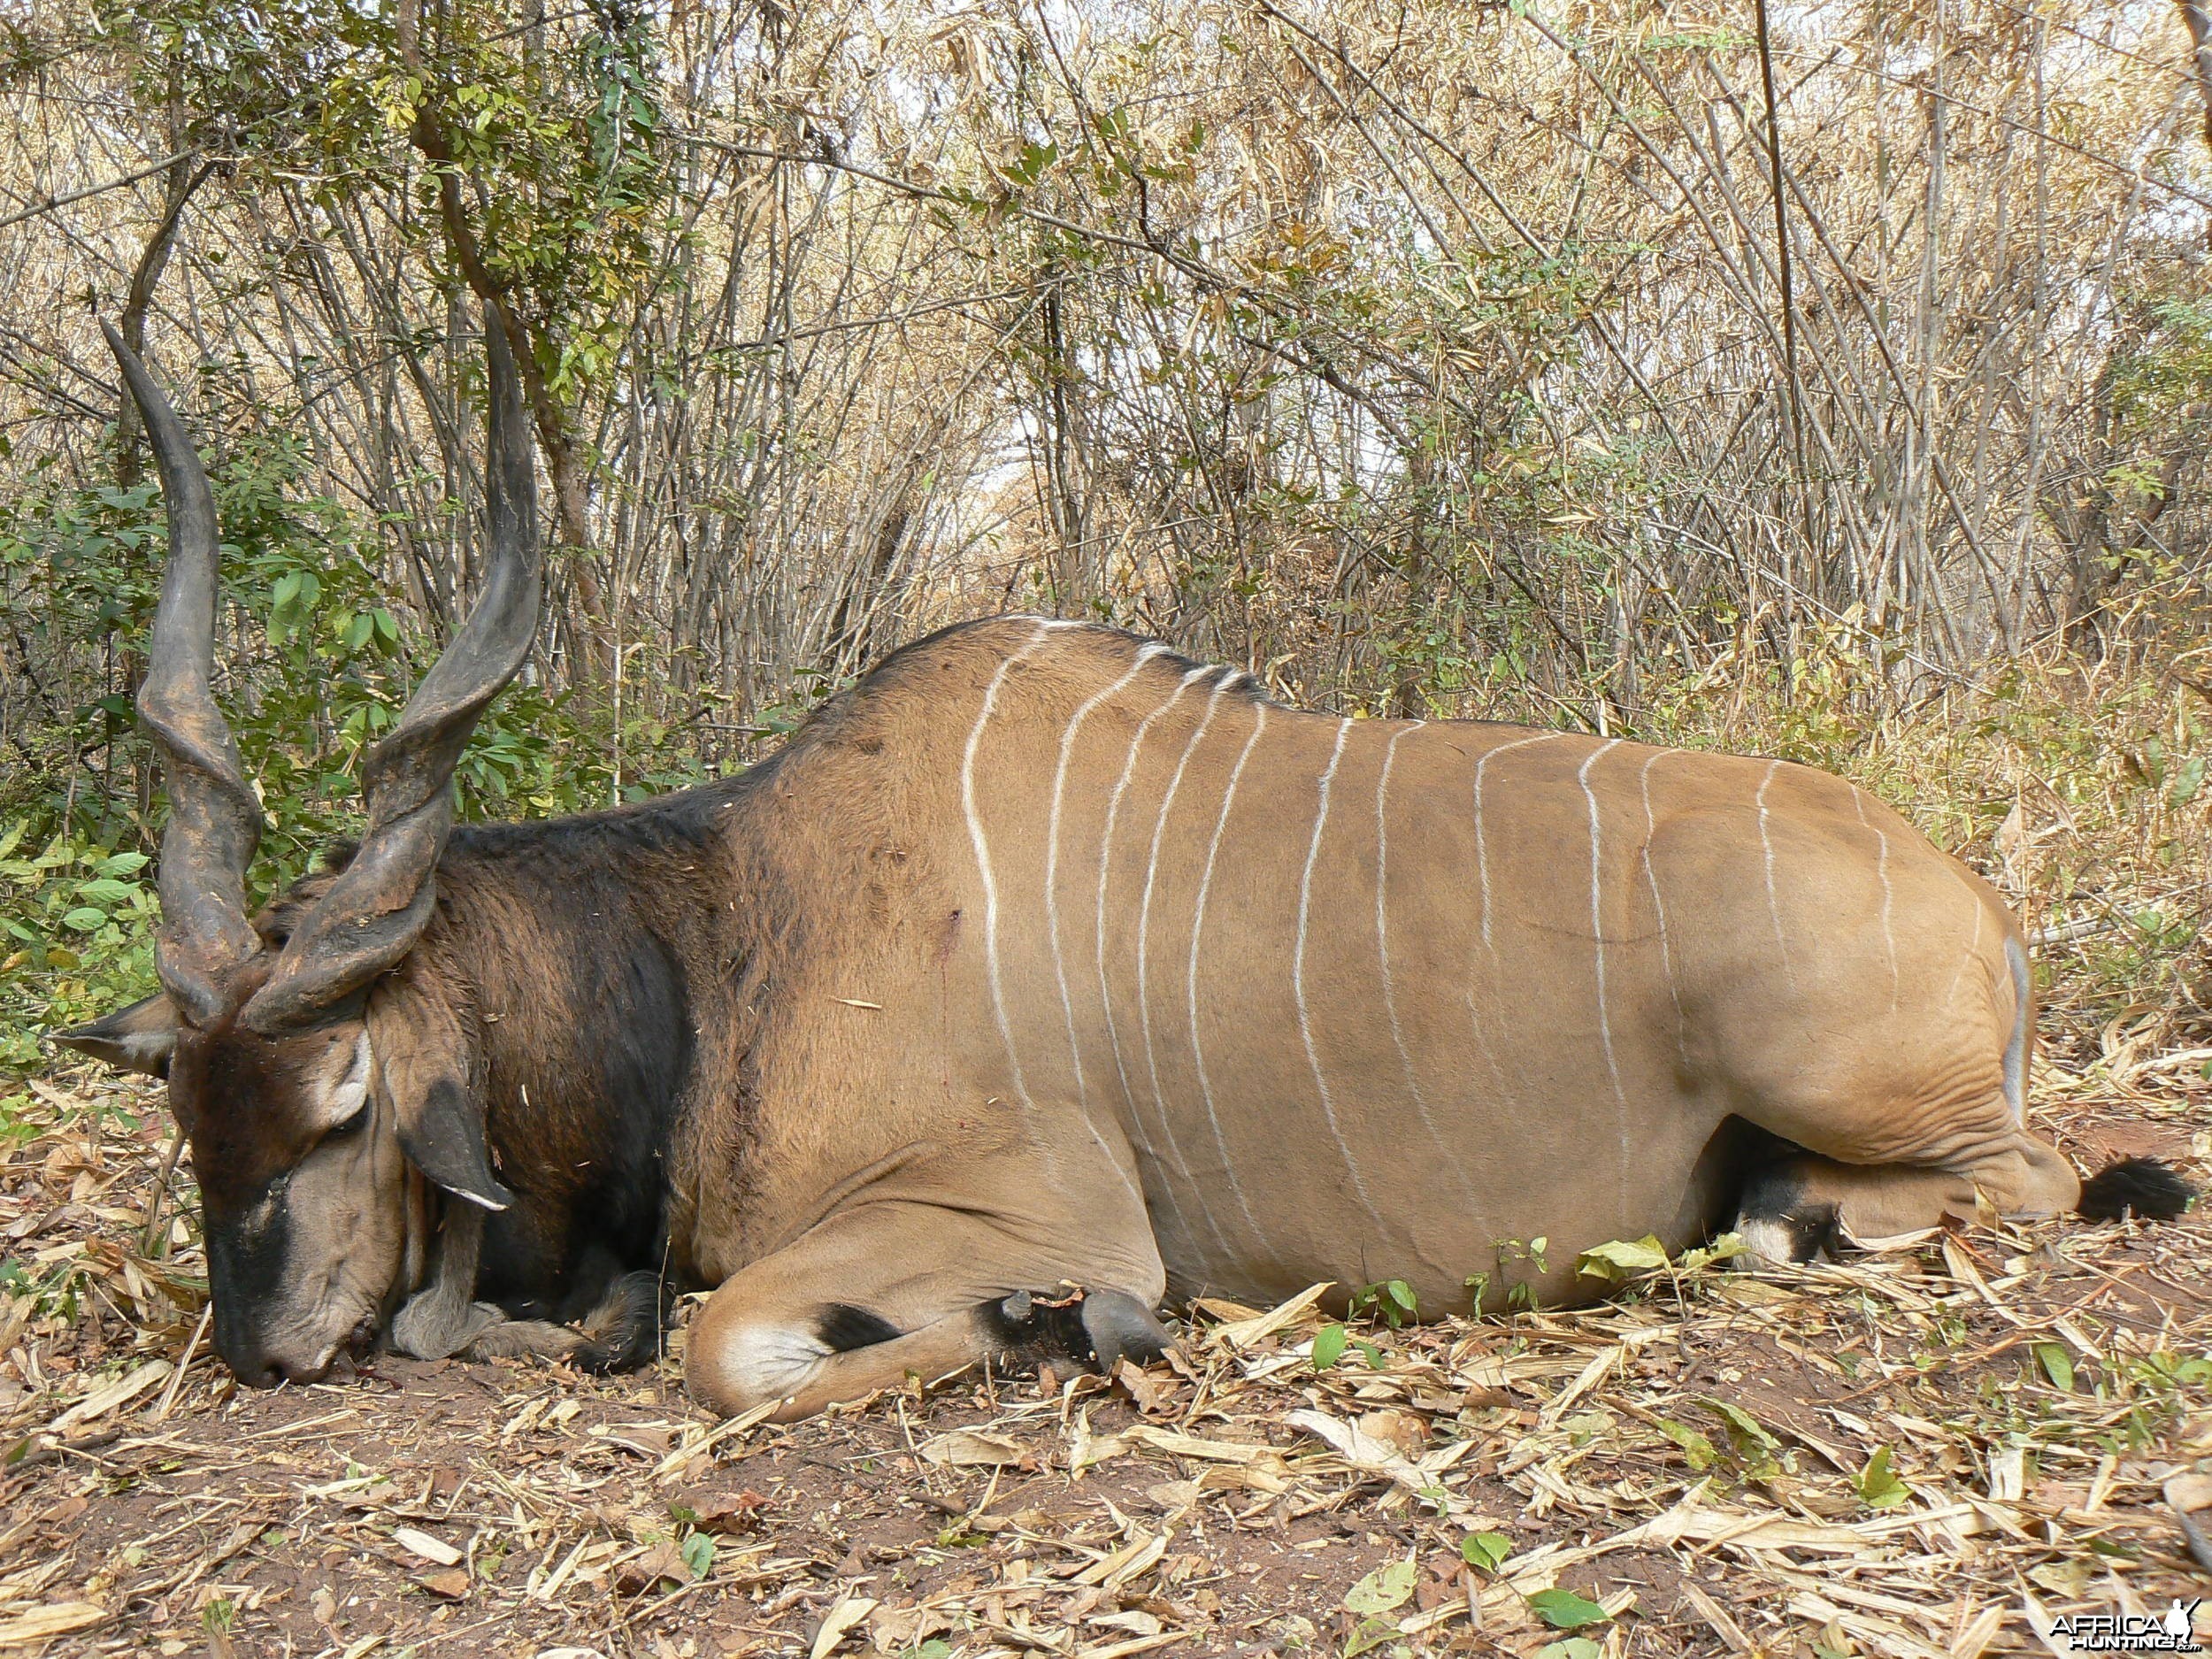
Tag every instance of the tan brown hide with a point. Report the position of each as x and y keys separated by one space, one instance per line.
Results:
x=1088 y=947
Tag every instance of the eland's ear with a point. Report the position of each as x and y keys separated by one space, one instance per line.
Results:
x=140 y=1038
x=421 y=1061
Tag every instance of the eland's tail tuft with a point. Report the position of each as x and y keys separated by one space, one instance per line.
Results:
x=2142 y=1187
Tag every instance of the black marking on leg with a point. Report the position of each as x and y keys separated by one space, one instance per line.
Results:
x=624 y=1331
x=2143 y=1188
x=1040 y=1325
x=1777 y=1193
x=1771 y=1191
x=1814 y=1230
x=845 y=1327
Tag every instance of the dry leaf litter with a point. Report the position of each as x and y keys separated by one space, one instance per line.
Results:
x=1930 y=1453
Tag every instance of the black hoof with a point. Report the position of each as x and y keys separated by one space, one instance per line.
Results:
x=1092 y=1329
x=1121 y=1327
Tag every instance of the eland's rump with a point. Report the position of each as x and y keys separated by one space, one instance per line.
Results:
x=1376 y=998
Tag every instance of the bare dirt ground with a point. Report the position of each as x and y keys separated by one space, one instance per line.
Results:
x=1937 y=1451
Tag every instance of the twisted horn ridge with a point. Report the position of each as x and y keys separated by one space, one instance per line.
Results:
x=381 y=902
x=214 y=817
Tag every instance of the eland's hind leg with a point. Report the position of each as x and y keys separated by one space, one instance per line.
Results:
x=1908 y=1119
x=1803 y=1204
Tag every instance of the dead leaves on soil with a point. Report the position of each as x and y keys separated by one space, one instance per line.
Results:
x=1930 y=1452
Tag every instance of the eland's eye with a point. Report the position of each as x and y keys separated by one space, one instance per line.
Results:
x=352 y=1125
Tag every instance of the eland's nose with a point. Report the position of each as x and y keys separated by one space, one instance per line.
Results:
x=258 y=1367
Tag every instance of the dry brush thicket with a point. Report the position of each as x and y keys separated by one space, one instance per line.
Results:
x=1412 y=353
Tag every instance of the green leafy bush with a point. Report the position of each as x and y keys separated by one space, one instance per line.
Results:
x=315 y=660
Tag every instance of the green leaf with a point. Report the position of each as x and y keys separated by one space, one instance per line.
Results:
x=1745 y=1430
x=105 y=890
x=1328 y=1346
x=1879 y=1488
x=84 y=918
x=2057 y=1364
x=1727 y=1246
x=1387 y=1586
x=1401 y=1294
x=1035 y=160
x=698 y=1553
x=1622 y=1259
x=1484 y=1550
x=1570 y=1648
x=2188 y=782
x=1695 y=1446
x=1564 y=1609
x=1370 y=1634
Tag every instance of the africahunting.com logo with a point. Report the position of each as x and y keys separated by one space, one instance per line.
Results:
x=2173 y=1632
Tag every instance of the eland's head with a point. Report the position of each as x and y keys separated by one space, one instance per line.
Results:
x=320 y=1090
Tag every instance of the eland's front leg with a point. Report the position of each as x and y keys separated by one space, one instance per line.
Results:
x=873 y=1296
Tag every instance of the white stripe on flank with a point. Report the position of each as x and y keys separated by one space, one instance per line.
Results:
x=2016 y=1045
x=1482 y=849
x=1382 y=951
x=1105 y=867
x=1198 y=924
x=1881 y=869
x=1766 y=843
x=1145 y=654
x=1597 y=939
x=1972 y=945
x=1298 y=978
x=1144 y=932
x=1659 y=908
x=983 y=860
